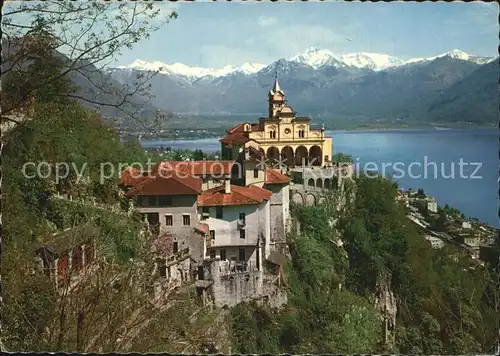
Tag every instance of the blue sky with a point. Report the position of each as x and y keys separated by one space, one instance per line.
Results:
x=217 y=34
x=214 y=34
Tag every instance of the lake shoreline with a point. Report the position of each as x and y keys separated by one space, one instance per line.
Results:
x=442 y=148
x=345 y=130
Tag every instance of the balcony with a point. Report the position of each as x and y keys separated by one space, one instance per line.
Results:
x=229 y=268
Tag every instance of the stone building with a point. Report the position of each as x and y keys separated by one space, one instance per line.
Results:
x=225 y=284
x=432 y=206
x=234 y=214
x=66 y=256
x=436 y=243
x=279 y=185
x=281 y=137
x=240 y=226
x=239 y=223
x=168 y=202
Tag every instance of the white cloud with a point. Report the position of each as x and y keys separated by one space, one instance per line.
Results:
x=265 y=21
x=217 y=56
x=287 y=41
x=483 y=17
x=284 y=41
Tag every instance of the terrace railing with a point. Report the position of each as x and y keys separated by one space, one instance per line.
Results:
x=228 y=268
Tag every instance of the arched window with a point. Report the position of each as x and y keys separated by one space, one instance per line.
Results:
x=272 y=134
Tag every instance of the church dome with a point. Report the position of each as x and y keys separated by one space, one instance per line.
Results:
x=287 y=109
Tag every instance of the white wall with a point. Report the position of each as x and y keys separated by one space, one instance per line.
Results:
x=183 y=235
x=226 y=229
x=280 y=211
x=285 y=191
x=265 y=216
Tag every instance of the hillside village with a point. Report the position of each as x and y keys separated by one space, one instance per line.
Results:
x=223 y=224
x=447 y=225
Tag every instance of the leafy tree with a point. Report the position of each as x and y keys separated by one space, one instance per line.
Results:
x=341 y=158
x=134 y=152
x=441 y=221
x=198 y=155
x=57 y=133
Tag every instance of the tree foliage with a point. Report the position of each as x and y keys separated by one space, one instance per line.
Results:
x=341 y=158
x=446 y=304
x=320 y=315
x=58 y=133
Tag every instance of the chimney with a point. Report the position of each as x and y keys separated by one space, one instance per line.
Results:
x=227 y=186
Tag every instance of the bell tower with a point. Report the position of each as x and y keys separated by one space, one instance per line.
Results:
x=276 y=98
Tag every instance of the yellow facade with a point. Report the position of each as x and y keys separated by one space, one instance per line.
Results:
x=282 y=135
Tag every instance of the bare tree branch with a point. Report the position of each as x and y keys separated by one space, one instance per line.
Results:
x=89 y=36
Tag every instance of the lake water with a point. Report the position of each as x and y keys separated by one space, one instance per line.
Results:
x=430 y=159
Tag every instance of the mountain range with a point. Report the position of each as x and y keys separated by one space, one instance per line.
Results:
x=317 y=82
x=451 y=87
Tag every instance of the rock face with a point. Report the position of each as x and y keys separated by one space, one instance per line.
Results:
x=385 y=302
x=221 y=343
x=231 y=286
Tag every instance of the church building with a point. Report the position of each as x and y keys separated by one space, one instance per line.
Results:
x=281 y=136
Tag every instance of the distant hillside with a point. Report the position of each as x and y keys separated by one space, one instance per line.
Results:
x=94 y=86
x=473 y=99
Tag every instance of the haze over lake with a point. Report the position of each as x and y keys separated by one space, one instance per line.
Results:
x=474 y=191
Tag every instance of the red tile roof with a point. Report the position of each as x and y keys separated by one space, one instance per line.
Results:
x=274 y=176
x=171 y=183
x=237 y=128
x=235 y=138
x=251 y=195
x=197 y=168
x=203 y=228
x=241 y=128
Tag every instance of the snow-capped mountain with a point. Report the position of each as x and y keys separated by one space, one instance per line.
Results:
x=455 y=54
x=374 y=61
x=192 y=73
x=316 y=58
x=313 y=57
x=316 y=80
